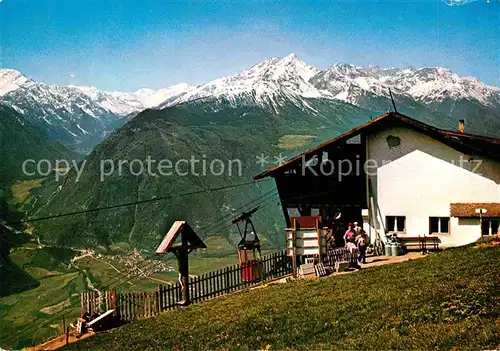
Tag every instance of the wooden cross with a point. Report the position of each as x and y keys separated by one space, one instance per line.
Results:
x=189 y=241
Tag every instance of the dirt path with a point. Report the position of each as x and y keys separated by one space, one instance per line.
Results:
x=375 y=261
x=87 y=254
x=58 y=342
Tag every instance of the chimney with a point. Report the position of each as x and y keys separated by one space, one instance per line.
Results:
x=461 y=126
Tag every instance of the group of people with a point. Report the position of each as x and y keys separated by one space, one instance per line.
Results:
x=355 y=237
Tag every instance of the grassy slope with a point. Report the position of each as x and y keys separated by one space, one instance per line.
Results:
x=41 y=283
x=447 y=300
x=45 y=281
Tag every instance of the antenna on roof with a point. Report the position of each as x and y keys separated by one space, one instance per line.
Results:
x=393 y=103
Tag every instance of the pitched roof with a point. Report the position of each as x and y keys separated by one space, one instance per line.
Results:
x=182 y=228
x=463 y=142
x=469 y=209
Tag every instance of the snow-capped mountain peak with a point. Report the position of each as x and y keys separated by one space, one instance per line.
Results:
x=73 y=112
x=285 y=67
x=264 y=84
x=436 y=84
x=276 y=69
x=11 y=80
x=349 y=83
x=124 y=103
x=152 y=98
x=425 y=85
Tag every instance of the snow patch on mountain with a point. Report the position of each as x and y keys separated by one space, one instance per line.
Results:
x=152 y=98
x=11 y=80
x=63 y=113
x=425 y=85
x=267 y=83
x=438 y=84
x=73 y=113
x=124 y=103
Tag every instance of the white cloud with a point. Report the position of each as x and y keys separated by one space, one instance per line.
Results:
x=71 y=75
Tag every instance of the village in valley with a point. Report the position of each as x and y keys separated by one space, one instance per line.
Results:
x=285 y=207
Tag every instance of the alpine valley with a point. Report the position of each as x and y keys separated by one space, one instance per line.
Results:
x=279 y=106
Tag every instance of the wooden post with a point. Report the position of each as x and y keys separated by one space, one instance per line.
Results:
x=294 y=255
x=64 y=324
x=318 y=233
x=226 y=279
x=159 y=298
x=480 y=222
x=67 y=335
x=190 y=241
x=118 y=306
x=182 y=258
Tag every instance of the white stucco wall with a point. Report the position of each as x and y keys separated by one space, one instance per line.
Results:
x=420 y=177
x=464 y=231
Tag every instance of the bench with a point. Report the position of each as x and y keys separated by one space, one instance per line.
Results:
x=100 y=318
x=422 y=243
x=83 y=326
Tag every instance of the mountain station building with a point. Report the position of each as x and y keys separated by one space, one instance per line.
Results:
x=397 y=175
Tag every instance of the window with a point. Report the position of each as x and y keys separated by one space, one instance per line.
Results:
x=494 y=226
x=439 y=225
x=395 y=223
x=354 y=140
x=490 y=226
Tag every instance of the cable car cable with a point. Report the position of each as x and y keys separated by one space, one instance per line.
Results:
x=109 y=285
x=153 y=199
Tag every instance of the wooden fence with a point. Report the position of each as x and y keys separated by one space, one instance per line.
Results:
x=134 y=305
x=340 y=255
x=94 y=302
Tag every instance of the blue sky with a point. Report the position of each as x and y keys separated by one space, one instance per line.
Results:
x=126 y=45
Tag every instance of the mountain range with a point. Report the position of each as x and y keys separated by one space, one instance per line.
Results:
x=126 y=103
x=78 y=117
x=81 y=117
x=279 y=106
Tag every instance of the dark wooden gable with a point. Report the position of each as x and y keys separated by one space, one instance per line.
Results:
x=463 y=142
x=308 y=190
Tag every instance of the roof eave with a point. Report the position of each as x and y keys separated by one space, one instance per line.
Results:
x=349 y=134
x=439 y=134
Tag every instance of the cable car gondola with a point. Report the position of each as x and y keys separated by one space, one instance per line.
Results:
x=249 y=248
